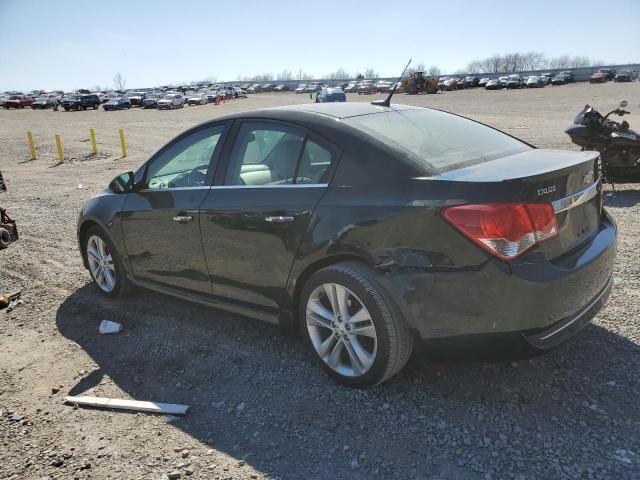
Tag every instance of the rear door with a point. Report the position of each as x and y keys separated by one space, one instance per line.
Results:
x=161 y=222
x=254 y=219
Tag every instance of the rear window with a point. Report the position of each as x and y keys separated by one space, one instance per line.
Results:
x=436 y=140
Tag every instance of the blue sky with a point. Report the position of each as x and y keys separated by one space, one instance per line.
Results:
x=70 y=44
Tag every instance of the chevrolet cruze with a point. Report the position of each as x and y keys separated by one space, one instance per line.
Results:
x=369 y=228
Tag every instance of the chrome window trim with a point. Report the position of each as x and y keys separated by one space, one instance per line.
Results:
x=284 y=185
x=173 y=189
x=575 y=199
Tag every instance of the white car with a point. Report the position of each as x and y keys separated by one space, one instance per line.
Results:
x=239 y=93
x=171 y=101
x=301 y=88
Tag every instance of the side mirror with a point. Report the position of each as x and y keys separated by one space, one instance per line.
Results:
x=623 y=104
x=123 y=183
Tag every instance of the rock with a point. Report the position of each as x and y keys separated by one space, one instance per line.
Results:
x=174 y=475
x=184 y=453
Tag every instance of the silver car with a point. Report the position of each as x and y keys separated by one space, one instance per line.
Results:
x=171 y=101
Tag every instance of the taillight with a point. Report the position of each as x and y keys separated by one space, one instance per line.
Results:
x=504 y=229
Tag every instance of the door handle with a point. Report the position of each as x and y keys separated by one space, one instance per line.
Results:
x=280 y=219
x=182 y=218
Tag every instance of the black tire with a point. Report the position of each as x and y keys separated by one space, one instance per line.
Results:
x=122 y=285
x=394 y=339
x=66 y=109
x=5 y=238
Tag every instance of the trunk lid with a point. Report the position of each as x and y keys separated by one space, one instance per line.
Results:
x=570 y=181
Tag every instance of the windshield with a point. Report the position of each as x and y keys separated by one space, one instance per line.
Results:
x=436 y=139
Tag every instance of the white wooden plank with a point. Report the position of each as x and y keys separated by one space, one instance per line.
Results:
x=153 y=407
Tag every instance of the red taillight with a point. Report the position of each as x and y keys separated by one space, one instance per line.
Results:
x=504 y=229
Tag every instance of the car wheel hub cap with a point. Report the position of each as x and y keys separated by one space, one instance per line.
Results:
x=101 y=264
x=341 y=330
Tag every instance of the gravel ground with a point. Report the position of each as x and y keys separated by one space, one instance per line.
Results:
x=260 y=406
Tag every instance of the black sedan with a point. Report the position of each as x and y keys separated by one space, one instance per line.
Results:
x=117 y=103
x=368 y=228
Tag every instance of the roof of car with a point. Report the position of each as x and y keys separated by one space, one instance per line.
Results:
x=342 y=109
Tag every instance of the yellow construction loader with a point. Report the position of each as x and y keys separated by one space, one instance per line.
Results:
x=418 y=83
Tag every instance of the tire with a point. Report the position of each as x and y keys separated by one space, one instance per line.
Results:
x=385 y=354
x=66 y=109
x=121 y=284
x=5 y=238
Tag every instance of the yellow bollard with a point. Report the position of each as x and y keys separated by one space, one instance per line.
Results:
x=32 y=147
x=60 y=151
x=122 y=144
x=92 y=134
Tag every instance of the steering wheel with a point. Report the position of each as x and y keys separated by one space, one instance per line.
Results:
x=196 y=177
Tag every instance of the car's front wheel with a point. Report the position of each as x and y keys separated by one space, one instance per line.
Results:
x=351 y=325
x=105 y=265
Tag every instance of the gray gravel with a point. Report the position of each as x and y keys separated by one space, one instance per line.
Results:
x=260 y=406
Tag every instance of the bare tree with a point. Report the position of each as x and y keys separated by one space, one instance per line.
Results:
x=434 y=71
x=302 y=75
x=340 y=74
x=119 y=82
x=285 y=75
x=370 y=73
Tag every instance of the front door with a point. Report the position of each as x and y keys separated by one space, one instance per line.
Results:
x=161 y=221
x=253 y=223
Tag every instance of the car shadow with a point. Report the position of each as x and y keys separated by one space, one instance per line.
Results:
x=621 y=198
x=256 y=394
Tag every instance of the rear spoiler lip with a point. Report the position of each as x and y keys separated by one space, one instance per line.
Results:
x=541 y=162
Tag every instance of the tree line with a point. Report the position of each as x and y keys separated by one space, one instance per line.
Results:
x=519 y=62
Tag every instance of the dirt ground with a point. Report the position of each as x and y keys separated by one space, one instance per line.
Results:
x=260 y=406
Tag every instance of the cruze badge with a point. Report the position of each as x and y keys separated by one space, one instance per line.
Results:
x=545 y=190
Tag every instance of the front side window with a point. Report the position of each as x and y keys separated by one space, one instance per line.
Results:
x=264 y=154
x=187 y=162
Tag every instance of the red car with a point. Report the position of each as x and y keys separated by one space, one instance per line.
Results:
x=598 y=77
x=18 y=101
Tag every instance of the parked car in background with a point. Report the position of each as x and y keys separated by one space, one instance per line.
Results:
x=623 y=76
x=514 y=81
x=117 y=103
x=545 y=78
x=151 y=101
x=281 y=88
x=171 y=101
x=351 y=88
x=533 y=81
x=197 y=99
x=569 y=76
x=467 y=240
x=483 y=82
x=268 y=87
x=472 y=81
x=560 y=79
x=81 y=102
x=330 y=94
x=301 y=88
x=608 y=73
x=313 y=87
x=449 y=84
x=17 y=101
x=366 y=87
x=598 y=77
x=255 y=88
x=239 y=93
x=45 y=101
x=136 y=98
x=460 y=83
x=493 y=84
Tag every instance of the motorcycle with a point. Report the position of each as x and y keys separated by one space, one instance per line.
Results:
x=619 y=146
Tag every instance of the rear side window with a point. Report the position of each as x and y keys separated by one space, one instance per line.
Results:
x=436 y=140
x=314 y=164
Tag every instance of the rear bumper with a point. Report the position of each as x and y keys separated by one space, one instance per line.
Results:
x=534 y=296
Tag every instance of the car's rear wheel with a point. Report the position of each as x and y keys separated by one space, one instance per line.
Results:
x=5 y=238
x=105 y=265
x=354 y=330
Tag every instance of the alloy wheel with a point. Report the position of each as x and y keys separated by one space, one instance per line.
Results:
x=101 y=264
x=341 y=330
